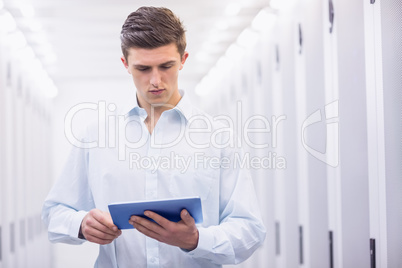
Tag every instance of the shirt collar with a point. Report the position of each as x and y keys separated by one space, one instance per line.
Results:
x=184 y=107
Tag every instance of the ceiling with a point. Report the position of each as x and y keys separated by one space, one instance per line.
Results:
x=78 y=41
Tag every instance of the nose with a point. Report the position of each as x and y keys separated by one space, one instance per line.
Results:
x=155 y=78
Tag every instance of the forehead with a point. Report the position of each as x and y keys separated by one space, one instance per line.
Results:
x=153 y=56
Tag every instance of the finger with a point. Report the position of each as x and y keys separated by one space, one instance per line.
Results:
x=155 y=227
x=148 y=228
x=93 y=227
x=98 y=240
x=92 y=234
x=186 y=217
x=146 y=231
x=95 y=220
x=100 y=235
x=157 y=218
x=106 y=220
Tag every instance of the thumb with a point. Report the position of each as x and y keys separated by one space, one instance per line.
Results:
x=187 y=219
x=108 y=221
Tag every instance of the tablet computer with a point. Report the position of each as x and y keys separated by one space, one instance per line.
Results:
x=167 y=208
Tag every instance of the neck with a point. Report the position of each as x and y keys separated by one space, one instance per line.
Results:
x=155 y=111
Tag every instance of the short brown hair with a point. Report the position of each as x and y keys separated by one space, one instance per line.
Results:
x=152 y=27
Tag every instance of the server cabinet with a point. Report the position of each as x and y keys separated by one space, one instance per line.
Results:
x=3 y=77
x=263 y=107
x=375 y=134
x=301 y=153
x=331 y=114
x=276 y=104
x=288 y=121
x=310 y=87
x=286 y=177
x=256 y=115
x=383 y=38
x=251 y=119
x=20 y=131
x=258 y=121
x=8 y=217
x=354 y=189
x=391 y=21
x=267 y=78
x=22 y=242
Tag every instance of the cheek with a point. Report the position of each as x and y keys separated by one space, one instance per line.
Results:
x=139 y=79
x=173 y=74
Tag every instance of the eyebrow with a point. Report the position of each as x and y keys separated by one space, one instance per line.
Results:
x=165 y=63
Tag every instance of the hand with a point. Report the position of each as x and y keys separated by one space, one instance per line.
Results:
x=97 y=227
x=183 y=234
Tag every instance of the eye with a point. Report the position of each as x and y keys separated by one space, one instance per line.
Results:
x=143 y=69
x=166 y=66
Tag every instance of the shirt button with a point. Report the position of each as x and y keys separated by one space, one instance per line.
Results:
x=153 y=260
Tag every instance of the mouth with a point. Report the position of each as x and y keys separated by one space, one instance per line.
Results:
x=156 y=91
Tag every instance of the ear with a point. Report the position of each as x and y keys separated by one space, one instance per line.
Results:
x=183 y=59
x=125 y=63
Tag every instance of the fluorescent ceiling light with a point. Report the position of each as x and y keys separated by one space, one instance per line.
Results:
x=232 y=9
x=282 y=4
x=17 y=41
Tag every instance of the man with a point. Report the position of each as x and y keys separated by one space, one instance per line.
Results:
x=163 y=125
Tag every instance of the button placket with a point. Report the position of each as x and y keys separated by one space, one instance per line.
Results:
x=151 y=192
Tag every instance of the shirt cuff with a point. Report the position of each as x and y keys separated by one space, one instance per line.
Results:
x=205 y=243
x=76 y=223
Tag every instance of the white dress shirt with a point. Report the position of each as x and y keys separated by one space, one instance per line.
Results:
x=188 y=154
